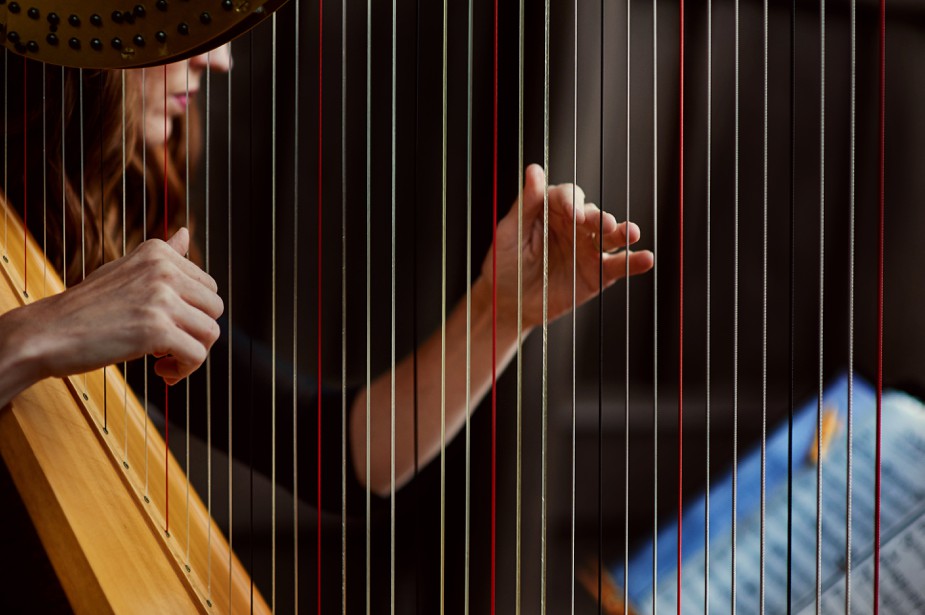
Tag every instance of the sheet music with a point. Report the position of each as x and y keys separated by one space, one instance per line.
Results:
x=902 y=517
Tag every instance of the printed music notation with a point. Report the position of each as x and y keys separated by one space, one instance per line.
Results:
x=902 y=567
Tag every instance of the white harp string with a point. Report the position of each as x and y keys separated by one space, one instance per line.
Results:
x=144 y=236
x=574 y=285
x=273 y=319
x=392 y=332
x=6 y=147
x=764 y=326
x=654 y=306
x=709 y=273
x=369 y=88
x=295 y=310
x=343 y=310
x=626 y=279
x=443 y=251
x=468 y=437
x=208 y=209
x=230 y=306
x=186 y=182
x=518 y=530
x=819 y=405
x=851 y=197
x=735 y=322
x=545 y=387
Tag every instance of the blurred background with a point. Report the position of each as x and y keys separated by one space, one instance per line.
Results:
x=239 y=205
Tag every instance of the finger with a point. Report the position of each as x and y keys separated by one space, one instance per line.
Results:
x=533 y=192
x=197 y=324
x=182 y=351
x=561 y=200
x=157 y=250
x=168 y=369
x=615 y=264
x=598 y=222
x=617 y=239
x=198 y=296
x=179 y=241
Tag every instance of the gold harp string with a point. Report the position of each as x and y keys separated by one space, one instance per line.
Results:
x=144 y=237
x=819 y=404
x=851 y=202
x=735 y=325
x=6 y=147
x=764 y=325
x=708 y=307
x=44 y=190
x=125 y=418
x=443 y=321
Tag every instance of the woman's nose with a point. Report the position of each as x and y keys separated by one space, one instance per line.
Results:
x=219 y=60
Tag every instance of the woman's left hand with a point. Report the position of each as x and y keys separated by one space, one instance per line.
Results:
x=589 y=264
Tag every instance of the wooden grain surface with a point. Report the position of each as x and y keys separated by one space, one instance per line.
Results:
x=97 y=498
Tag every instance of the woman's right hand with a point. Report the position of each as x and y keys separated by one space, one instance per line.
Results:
x=153 y=301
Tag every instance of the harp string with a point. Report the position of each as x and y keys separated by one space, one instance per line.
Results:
x=735 y=325
x=102 y=241
x=880 y=284
x=764 y=327
x=680 y=292
x=574 y=284
x=708 y=307
x=230 y=307
x=166 y=387
x=187 y=182
x=295 y=319
x=626 y=381
x=791 y=299
x=125 y=418
x=468 y=437
x=25 y=175
x=343 y=313
x=851 y=251
x=494 y=301
x=822 y=16
x=545 y=388
x=6 y=148
x=392 y=544
x=654 y=318
x=144 y=226
x=369 y=44
x=518 y=530
x=208 y=209
x=273 y=318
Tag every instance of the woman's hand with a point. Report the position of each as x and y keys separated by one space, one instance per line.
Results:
x=587 y=252
x=153 y=301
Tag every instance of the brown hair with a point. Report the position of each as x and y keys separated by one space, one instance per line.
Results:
x=88 y=159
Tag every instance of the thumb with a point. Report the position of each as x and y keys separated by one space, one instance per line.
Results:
x=180 y=241
x=533 y=191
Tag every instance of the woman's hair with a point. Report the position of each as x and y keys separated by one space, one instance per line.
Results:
x=67 y=178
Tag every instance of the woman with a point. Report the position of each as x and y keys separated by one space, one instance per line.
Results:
x=154 y=301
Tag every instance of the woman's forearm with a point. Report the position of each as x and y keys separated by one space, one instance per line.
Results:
x=432 y=395
x=19 y=365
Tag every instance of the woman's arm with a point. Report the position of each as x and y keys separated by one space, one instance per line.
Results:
x=153 y=301
x=430 y=354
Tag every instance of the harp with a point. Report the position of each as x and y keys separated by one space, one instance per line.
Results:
x=512 y=569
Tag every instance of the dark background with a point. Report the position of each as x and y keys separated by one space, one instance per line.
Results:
x=418 y=214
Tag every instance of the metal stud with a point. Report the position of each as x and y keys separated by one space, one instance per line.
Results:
x=74 y=44
x=116 y=43
x=183 y=28
x=96 y=44
x=96 y=20
x=33 y=13
x=32 y=46
x=13 y=37
x=161 y=36
x=139 y=40
x=52 y=39
x=161 y=5
x=117 y=16
x=74 y=20
x=140 y=11
x=227 y=5
x=205 y=18
x=53 y=19
x=14 y=7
